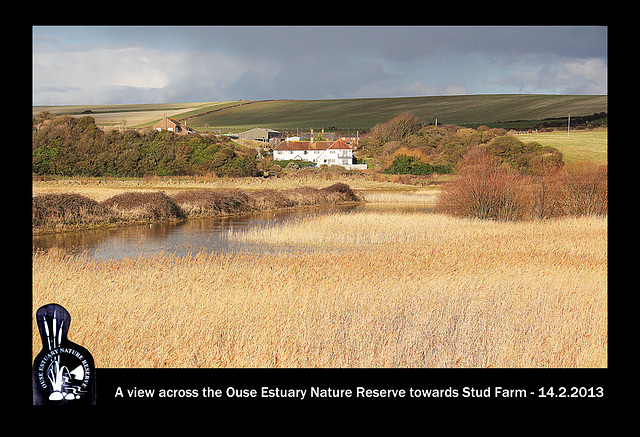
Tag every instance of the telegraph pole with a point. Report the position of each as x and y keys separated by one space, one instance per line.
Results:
x=568 y=124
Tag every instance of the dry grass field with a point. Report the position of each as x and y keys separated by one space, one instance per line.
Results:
x=130 y=115
x=389 y=290
x=101 y=189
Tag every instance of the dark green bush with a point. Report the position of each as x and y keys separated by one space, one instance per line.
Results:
x=69 y=146
x=411 y=165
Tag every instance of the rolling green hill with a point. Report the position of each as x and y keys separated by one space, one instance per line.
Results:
x=353 y=114
x=362 y=114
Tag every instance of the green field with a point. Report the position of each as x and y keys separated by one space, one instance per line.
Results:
x=362 y=114
x=345 y=115
x=577 y=146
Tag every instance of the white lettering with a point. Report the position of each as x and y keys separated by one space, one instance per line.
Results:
x=317 y=392
x=470 y=392
x=241 y=393
x=510 y=393
x=361 y=392
x=283 y=393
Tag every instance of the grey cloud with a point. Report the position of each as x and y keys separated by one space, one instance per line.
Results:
x=231 y=62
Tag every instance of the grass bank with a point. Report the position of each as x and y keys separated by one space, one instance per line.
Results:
x=577 y=146
x=65 y=211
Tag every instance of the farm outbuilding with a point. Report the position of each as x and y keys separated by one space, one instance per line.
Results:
x=259 y=134
x=172 y=125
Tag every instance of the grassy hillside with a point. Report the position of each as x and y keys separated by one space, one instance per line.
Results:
x=578 y=146
x=347 y=114
x=362 y=114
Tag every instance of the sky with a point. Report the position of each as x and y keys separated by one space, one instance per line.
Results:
x=100 y=65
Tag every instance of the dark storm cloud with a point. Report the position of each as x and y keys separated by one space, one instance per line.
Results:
x=301 y=62
x=399 y=43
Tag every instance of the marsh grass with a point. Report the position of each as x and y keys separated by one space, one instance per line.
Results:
x=422 y=196
x=419 y=290
x=102 y=188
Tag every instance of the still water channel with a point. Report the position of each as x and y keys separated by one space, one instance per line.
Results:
x=191 y=236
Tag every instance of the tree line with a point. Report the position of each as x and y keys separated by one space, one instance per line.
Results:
x=75 y=146
x=407 y=145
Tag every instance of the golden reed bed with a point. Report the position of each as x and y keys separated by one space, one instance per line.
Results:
x=393 y=290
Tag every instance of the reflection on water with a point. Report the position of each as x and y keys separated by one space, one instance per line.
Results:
x=191 y=236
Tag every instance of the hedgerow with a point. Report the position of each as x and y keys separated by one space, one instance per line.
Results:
x=71 y=146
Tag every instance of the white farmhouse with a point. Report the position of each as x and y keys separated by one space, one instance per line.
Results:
x=319 y=152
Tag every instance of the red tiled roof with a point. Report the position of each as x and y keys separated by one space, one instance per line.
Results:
x=316 y=145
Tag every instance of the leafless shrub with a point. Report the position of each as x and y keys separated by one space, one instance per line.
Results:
x=142 y=206
x=586 y=190
x=546 y=192
x=68 y=209
x=484 y=190
x=345 y=192
x=61 y=210
x=205 y=202
x=264 y=200
x=221 y=202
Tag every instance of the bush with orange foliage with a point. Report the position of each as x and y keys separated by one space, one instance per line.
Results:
x=483 y=189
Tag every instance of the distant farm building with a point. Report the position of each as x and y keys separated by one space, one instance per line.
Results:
x=259 y=134
x=172 y=125
x=319 y=152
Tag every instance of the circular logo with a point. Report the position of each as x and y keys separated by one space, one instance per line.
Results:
x=65 y=374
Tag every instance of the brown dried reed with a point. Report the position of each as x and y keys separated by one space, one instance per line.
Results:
x=466 y=293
